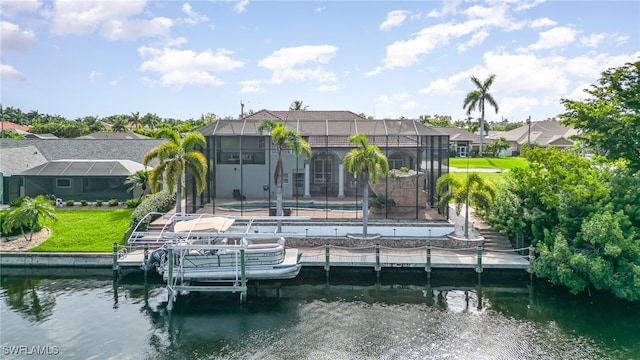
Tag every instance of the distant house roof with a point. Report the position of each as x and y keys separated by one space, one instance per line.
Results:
x=543 y=133
x=16 y=160
x=8 y=125
x=82 y=149
x=113 y=135
x=85 y=168
x=318 y=125
x=457 y=134
x=39 y=136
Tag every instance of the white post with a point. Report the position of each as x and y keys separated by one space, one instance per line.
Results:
x=307 y=194
x=340 y=180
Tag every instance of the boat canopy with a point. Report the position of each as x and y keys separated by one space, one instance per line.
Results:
x=204 y=224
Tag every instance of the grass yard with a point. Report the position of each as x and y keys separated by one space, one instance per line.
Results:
x=86 y=230
x=488 y=162
x=496 y=178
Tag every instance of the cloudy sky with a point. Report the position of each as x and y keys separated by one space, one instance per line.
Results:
x=387 y=59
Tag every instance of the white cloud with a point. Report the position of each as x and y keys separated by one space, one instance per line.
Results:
x=383 y=99
x=94 y=75
x=394 y=19
x=476 y=39
x=405 y=53
x=186 y=67
x=300 y=63
x=116 y=29
x=11 y=8
x=448 y=7
x=557 y=37
x=438 y=87
x=9 y=72
x=517 y=108
x=409 y=105
x=241 y=6
x=593 y=40
x=251 y=86
x=193 y=18
x=12 y=37
x=111 y=17
x=542 y=22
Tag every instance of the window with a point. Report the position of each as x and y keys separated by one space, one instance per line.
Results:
x=321 y=171
x=285 y=178
x=63 y=183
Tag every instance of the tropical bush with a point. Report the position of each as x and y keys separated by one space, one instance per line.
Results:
x=98 y=202
x=70 y=202
x=381 y=203
x=113 y=202
x=84 y=202
x=160 y=202
x=133 y=203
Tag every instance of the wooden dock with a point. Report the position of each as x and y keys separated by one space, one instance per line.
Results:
x=383 y=257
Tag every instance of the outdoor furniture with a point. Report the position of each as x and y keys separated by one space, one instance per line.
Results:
x=237 y=195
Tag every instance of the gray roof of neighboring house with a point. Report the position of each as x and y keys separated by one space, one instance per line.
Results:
x=322 y=124
x=542 y=133
x=16 y=160
x=113 y=135
x=82 y=149
x=457 y=134
x=85 y=168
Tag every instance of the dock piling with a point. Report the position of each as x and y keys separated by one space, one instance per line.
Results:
x=170 y=280
x=327 y=259
x=243 y=277
x=479 y=265
x=115 y=259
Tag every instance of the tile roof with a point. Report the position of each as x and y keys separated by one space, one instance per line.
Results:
x=85 y=168
x=542 y=133
x=320 y=123
x=113 y=135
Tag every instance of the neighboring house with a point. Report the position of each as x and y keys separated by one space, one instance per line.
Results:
x=77 y=180
x=11 y=126
x=243 y=159
x=541 y=133
x=93 y=169
x=460 y=140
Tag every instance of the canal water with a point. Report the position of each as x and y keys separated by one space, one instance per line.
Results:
x=86 y=314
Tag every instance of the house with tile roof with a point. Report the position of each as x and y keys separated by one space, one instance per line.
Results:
x=70 y=169
x=541 y=133
x=243 y=159
x=461 y=141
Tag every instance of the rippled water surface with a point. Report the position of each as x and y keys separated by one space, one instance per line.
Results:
x=90 y=316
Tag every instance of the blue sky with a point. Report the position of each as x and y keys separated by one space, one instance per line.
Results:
x=386 y=59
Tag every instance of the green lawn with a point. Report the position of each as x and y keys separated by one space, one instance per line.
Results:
x=488 y=162
x=496 y=178
x=86 y=230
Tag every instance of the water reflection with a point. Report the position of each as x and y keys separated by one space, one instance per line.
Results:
x=350 y=315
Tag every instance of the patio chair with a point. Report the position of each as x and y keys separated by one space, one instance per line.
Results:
x=237 y=195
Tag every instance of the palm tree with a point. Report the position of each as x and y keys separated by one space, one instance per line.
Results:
x=174 y=157
x=139 y=179
x=472 y=189
x=296 y=105
x=134 y=120
x=119 y=124
x=28 y=215
x=283 y=139
x=477 y=99
x=371 y=163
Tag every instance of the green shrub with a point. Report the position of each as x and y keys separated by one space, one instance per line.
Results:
x=133 y=203
x=16 y=202
x=404 y=169
x=114 y=202
x=381 y=202
x=70 y=202
x=98 y=202
x=84 y=202
x=10 y=232
x=160 y=202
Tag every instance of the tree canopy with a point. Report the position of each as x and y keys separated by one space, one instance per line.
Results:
x=609 y=119
x=477 y=99
x=584 y=220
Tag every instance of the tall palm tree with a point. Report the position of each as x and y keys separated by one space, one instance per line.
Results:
x=174 y=157
x=139 y=179
x=477 y=98
x=368 y=161
x=283 y=139
x=473 y=189
x=296 y=105
x=28 y=215
x=135 y=121
x=119 y=124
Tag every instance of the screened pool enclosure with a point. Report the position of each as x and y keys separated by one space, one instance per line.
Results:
x=242 y=161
